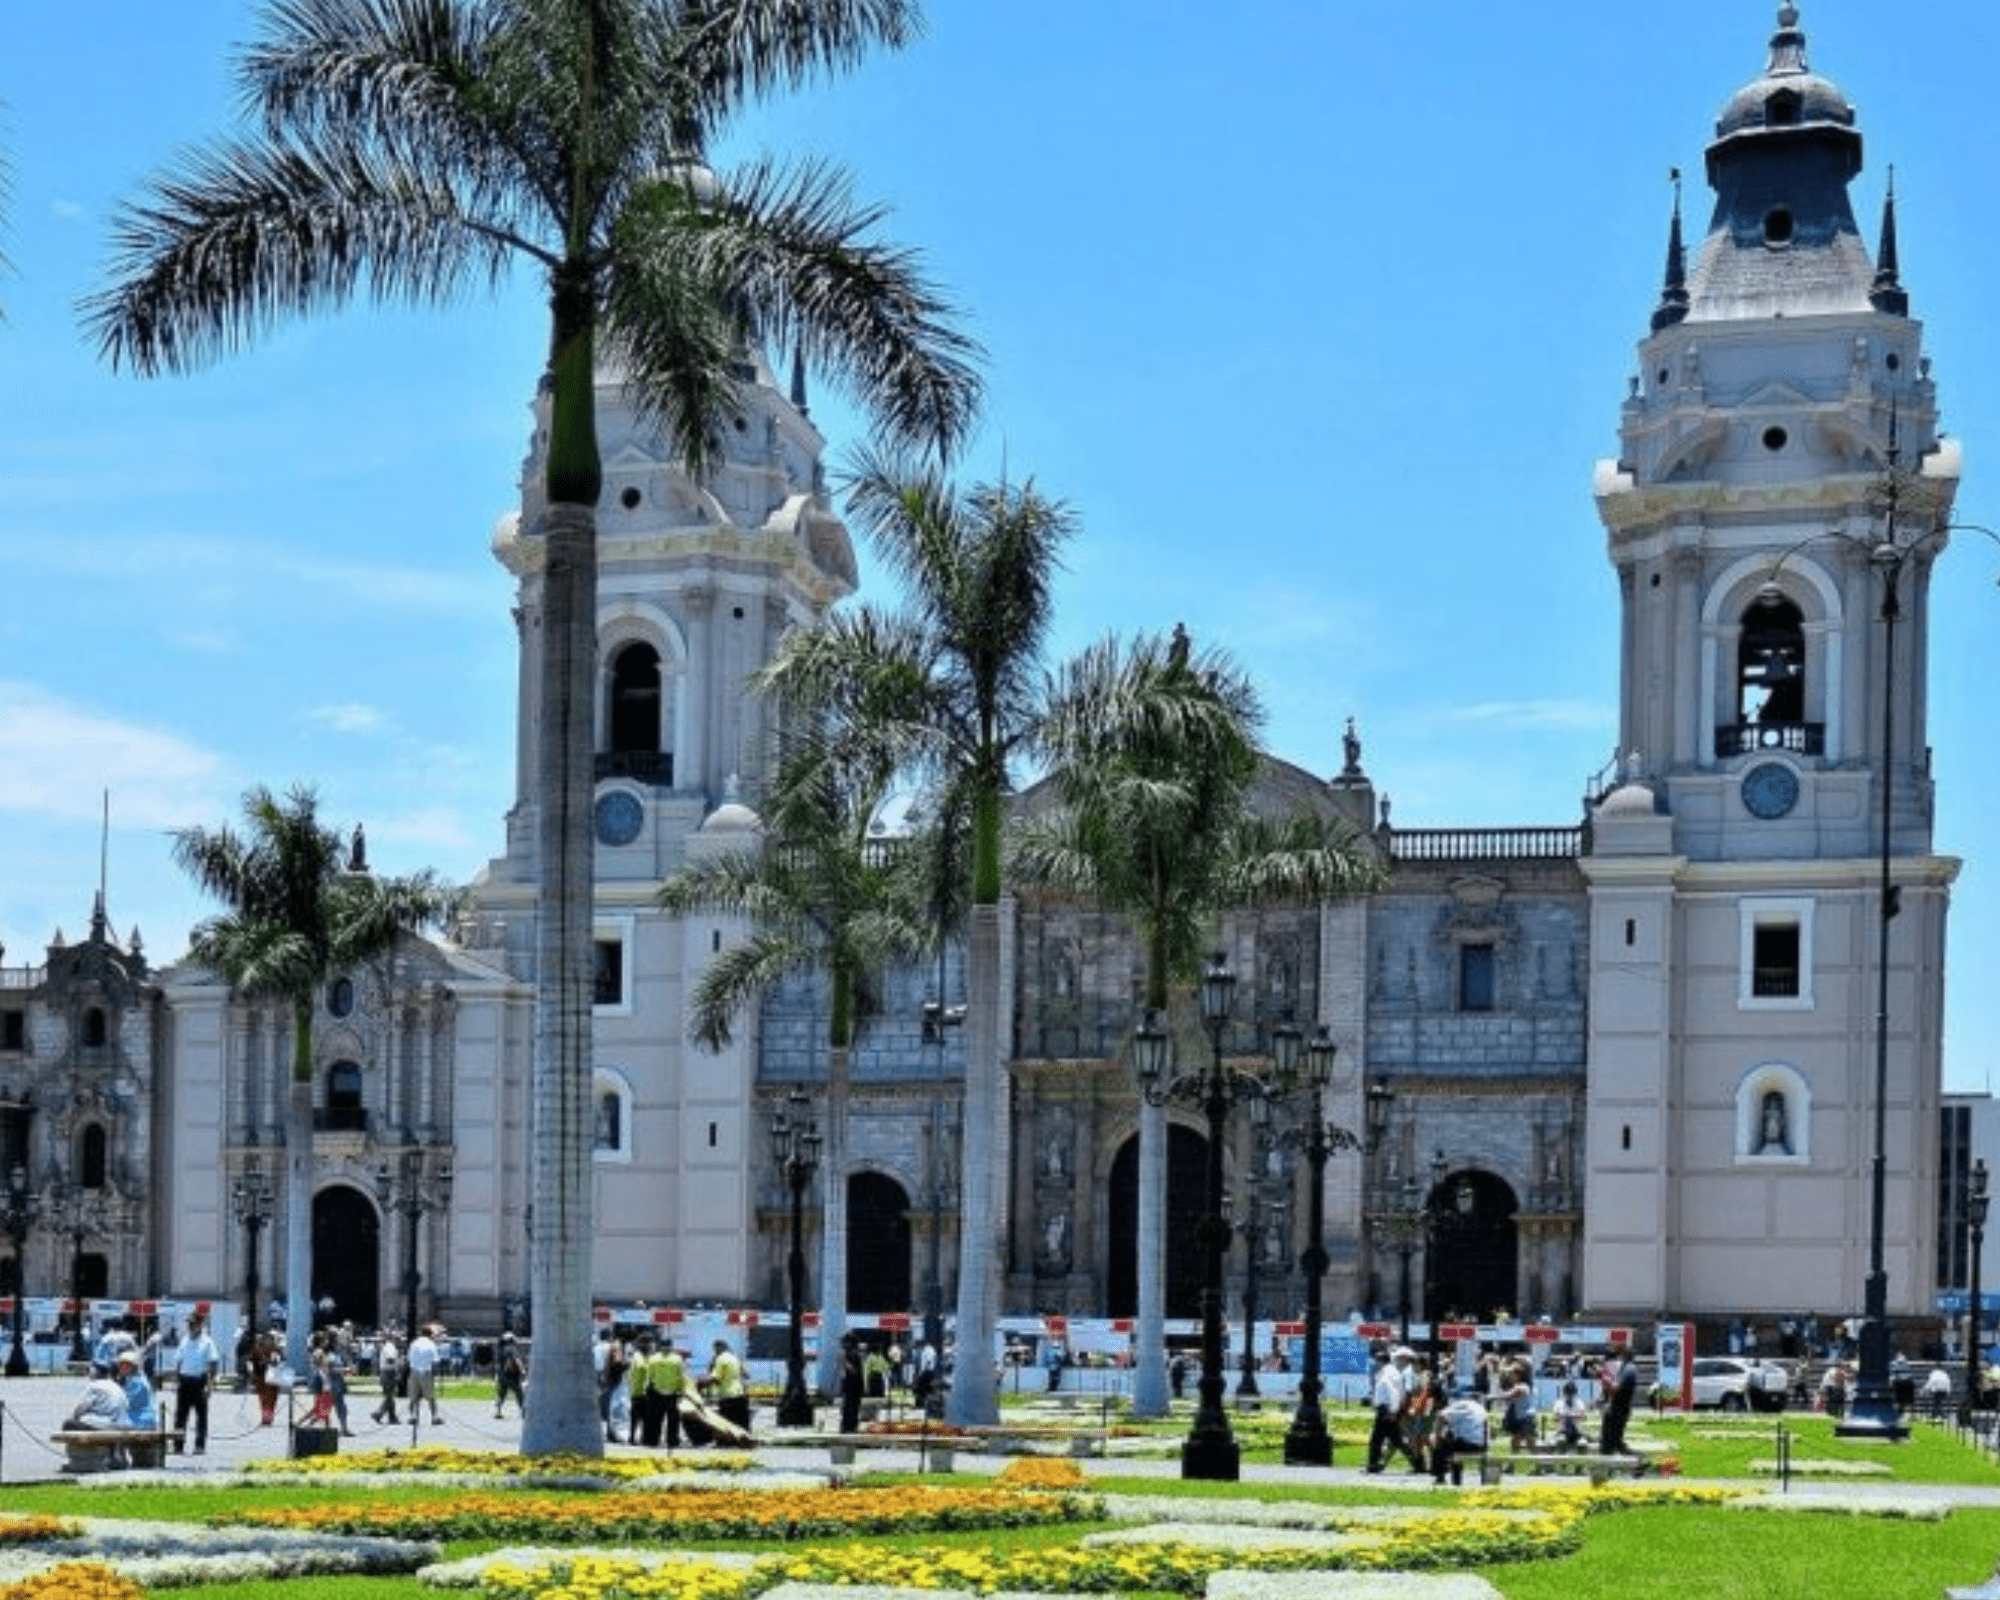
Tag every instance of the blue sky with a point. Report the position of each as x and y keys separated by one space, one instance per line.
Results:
x=1318 y=314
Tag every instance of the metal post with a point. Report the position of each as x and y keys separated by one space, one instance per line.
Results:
x=1307 y=1443
x=1976 y=1202
x=795 y=1142
x=1246 y=1382
x=21 y=1205
x=1211 y=1451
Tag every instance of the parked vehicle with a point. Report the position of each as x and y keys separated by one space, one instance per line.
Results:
x=1740 y=1383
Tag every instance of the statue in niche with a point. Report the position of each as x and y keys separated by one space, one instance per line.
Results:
x=1055 y=1235
x=1773 y=1133
x=1052 y=1157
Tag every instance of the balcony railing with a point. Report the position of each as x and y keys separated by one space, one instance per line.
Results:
x=1485 y=844
x=341 y=1119
x=642 y=766
x=1747 y=738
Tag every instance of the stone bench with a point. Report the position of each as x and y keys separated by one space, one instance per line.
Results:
x=1002 y=1439
x=935 y=1449
x=1598 y=1469
x=108 y=1449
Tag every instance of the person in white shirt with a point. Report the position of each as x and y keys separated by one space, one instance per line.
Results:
x=389 y=1368
x=196 y=1362
x=1389 y=1393
x=1461 y=1430
x=422 y=1362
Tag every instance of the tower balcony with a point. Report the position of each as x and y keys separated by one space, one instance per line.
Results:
x=1750 y=738
x=655 y=767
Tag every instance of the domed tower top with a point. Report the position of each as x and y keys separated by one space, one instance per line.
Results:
x=1782 y=239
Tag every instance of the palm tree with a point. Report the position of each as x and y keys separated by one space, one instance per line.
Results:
x=414 y=149
x=301 y=910
x=1154 y=758
x=953 y=683
x=826 y=897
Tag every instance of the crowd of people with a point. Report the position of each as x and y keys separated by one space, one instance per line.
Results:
x=1433 y=1427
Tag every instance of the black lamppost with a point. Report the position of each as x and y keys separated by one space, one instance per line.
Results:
x=795 y=1144
x=252 y=1197
x=417 y=1183
x=19 y=1207
x=1211 y=1451
x=1307 y=1442
x=1976 y=1202
x=1402 y=1228
x=74 y=1212
x=1258 y=1214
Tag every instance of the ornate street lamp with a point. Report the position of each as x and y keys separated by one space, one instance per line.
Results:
x=1402 y=1228
x=19 y=1208
x=1211 y=1452
x=1307 y=1442
x=252 y=1198
x=418 y=1182
x=1259 y=1215
x=938 y=1017
x=795 y=1145
x=1976 y=1202
x=77 y=1212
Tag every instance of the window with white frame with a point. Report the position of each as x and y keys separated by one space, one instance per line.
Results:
x=1774 y=963
x=611 y=979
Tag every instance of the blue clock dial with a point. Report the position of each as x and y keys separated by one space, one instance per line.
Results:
x=619 y=817
x=1770 y=790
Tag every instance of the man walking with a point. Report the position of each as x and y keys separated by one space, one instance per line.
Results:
x=1389 y=1394
x=196 y=1363
x=422 y=1362
x=389 y=1368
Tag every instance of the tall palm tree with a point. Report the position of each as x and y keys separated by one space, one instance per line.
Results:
x=301 y=910
x=1153 y=754
x=953 y=682
x=414 y=149
x=823 y=896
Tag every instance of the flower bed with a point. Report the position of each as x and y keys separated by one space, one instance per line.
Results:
x=36 y=1529
x=74 y=1580
x=624 y=1517
x=487 y=1464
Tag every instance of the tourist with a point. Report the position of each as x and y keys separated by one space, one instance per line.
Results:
x=140 y=1412
x=853 y=1383
x=1391 y=1389
x=196 y=1364
x=421 y=1361
x=102 y=1403
x=389 y=1368
x=1570 y=1411
x=509 y=1377
x=1517 y=1398
x=1621 y=1384
x=1461 y=1430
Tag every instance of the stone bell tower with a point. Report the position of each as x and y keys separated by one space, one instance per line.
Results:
x=1772 y=515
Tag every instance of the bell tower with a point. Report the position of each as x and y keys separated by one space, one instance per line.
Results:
x=1779 y=495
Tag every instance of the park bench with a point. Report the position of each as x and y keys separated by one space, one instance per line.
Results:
x=107 y=1449
x=1019 y=1438
x=935 y=1448
x=1598 y=1469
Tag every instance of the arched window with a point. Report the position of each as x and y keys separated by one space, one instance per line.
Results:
x=1771 y=663
x=611 y=1104
x=95 y=1031
x=635 y=700
x=92 y=1160
x=343 y=1097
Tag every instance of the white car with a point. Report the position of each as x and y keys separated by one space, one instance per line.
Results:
x=1740 y=1383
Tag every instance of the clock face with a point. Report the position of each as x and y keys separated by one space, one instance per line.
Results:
x=1770 y=789
x=619 y=817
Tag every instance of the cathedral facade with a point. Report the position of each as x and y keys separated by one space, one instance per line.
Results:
x=1638 y=1063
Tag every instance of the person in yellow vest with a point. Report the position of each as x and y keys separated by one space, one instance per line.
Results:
x=725 y=1377
x=669 y=1372
x=648 y=1404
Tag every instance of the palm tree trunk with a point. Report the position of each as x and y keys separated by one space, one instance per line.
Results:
x=299 y=1194
x=1149 y=1377
x=564 y=1416
x=833 y=1226
x=974 y=1399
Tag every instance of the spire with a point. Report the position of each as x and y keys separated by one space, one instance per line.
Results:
x=1888 y=294
x=1788 y=44
x=799 y=382
x=1673 y=306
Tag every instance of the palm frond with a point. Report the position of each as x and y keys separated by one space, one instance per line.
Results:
x=236 y=239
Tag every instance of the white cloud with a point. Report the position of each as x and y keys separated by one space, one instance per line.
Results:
x=57 y=759
x=350 y=718
x=70 y=210
x=1509 y=714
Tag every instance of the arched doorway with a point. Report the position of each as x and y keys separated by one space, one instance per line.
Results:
x=1187 y=1178
x=347 y=1256
x=878 y=1244
x=1475 y=1260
